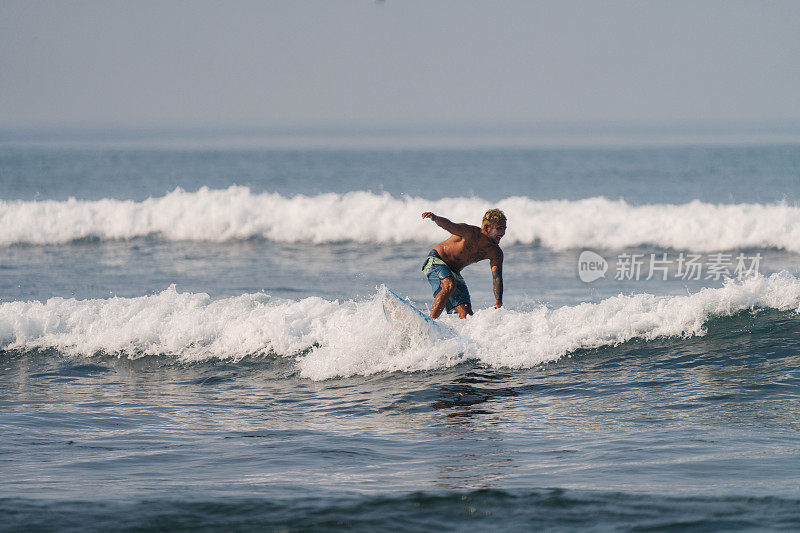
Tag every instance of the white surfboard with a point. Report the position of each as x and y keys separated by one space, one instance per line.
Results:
x=402 y=314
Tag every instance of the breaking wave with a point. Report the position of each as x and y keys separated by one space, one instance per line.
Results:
x=361 y=216
x=326 y=339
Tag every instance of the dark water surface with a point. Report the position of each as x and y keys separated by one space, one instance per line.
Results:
x=695 y=433
x=663 y=174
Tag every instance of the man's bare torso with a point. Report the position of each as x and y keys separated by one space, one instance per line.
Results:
x=459 y=252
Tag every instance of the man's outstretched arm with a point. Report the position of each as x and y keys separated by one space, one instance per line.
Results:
x=462 y=230
x=496 y=264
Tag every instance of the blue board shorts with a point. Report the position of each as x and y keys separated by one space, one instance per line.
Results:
x=437 y=270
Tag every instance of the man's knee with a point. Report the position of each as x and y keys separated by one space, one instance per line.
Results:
x=447 y=286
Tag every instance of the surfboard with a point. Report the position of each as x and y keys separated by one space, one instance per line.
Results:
x=401 y=313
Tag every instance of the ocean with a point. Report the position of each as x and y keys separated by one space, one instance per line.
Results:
x=192 y=334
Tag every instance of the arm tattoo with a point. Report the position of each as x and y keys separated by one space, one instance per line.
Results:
x=497 y=284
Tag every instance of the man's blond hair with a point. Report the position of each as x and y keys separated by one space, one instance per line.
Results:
x=493 y=216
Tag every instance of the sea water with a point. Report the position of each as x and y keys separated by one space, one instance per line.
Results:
x=191 y=337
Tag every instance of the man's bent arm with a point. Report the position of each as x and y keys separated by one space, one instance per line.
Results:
x=462 y=230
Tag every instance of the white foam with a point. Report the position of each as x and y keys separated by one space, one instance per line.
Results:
x=189 y=326
x=237 y=213
x=327 y=339
x=516 y=339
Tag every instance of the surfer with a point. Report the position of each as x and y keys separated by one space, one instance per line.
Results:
x=468 y=244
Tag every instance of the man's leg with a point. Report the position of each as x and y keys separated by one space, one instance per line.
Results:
x=463 y=310
x=446 y=288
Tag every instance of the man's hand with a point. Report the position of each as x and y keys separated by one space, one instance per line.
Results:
x=428 y=214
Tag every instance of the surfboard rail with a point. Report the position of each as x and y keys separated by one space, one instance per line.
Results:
x=391 y=302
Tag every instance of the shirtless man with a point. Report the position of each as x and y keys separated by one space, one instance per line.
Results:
x=468 y=244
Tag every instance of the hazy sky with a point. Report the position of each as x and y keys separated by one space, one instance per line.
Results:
x=428 y=62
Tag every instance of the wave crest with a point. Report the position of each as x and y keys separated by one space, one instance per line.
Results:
x=328 y=339
x=361 y=216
